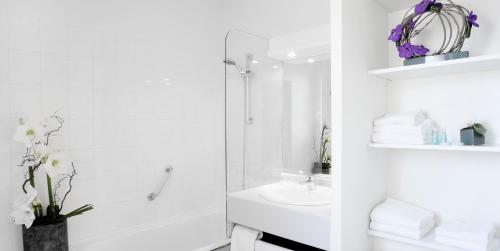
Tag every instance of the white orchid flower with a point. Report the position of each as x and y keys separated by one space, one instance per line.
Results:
x=42 y=152
x=58 y=164
x=23 y=208
x=29 y=132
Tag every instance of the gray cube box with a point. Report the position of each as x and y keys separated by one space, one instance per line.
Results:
x=470 y=138
x=436 y=58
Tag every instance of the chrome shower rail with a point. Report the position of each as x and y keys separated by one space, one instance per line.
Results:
x=168 y=172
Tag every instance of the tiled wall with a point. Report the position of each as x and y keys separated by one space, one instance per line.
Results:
x=103 y=66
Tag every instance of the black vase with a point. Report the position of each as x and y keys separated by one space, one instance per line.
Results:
x=325 y=168
x=469 y=137
x=46 y=237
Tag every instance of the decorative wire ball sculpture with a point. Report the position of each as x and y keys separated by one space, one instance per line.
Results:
x=456 y=21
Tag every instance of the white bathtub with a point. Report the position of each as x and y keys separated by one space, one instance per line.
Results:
x=201 y=232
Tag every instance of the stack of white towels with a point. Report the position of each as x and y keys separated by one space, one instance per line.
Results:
x=407 y=220
x=401 y=218
x=467 y=236
x=409 y=128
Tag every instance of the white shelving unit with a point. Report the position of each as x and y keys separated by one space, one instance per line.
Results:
x=452 y=92
x=427 y=242
x=451 y=67
x=483 y=148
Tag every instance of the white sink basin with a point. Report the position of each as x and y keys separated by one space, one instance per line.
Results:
x=298 y=195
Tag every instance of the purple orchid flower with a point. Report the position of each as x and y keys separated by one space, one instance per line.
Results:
x=472 y=18
x=411 y=24
x=420 y=50
x=423 y=6
x=396 y=33
x=426 y=5
x=407 y=50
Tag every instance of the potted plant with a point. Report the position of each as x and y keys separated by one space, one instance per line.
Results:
x=44 y=230
x=456 y=22
x=323 y=156
x=473 y=134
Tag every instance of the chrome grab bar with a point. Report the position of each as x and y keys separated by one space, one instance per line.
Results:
x=168 y=171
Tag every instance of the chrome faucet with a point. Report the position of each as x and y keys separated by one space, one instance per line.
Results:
x=309 y=183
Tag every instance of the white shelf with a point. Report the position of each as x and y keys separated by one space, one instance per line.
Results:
x=483 y=148
x=465 y=65
x=427 y=242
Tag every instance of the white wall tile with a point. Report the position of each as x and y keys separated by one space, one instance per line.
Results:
x=54 y=38
x=30 y=8
x=5 y=178
x=4 y=65
x=81 y=104
x=5 y=135
x=55 y=99
x=82 y=135
x=27 y=101
x=81 y=41
x=6 y=207
x=7 y=237
x=81 y=74
x=24 y=33
x=4 y=30
x=105 y=76
x=24 y=67
x=54 y=70
x=5 y=100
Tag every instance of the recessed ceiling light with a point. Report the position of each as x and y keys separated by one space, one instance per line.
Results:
x=276 y=66
x=311 y=60
x=166 y=79
x=255 y=61
x=291 y=54
x=148 y=81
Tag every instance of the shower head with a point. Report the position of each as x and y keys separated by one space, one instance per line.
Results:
x=230 y=61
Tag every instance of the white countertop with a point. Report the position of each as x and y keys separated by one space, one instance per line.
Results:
x=305 y=224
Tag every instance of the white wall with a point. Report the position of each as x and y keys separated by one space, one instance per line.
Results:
x=90 y=61
x=358 y=172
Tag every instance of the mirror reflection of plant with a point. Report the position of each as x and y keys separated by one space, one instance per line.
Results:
x=59 y=169
x=323 y=155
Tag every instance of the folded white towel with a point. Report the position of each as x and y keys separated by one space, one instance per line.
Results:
x=402 y=214
x=244 y=238
x=467 y=245
x=424 y=128
x=417 y=233
x=398 y=138
x=482 y=233
x=408 y=118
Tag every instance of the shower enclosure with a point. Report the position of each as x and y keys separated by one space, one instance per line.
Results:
x=253 y=106
x=275 y=112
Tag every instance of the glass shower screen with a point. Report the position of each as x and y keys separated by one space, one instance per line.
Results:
x=254 y=103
